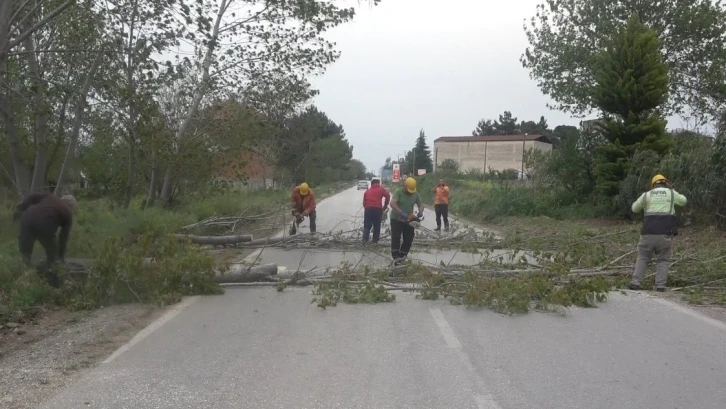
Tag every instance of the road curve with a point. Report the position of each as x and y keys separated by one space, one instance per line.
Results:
x=256 y=348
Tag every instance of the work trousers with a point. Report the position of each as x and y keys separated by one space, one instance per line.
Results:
x=29 y=233
x=398 y=228
x=650 y=244
x=372 y=219
x=442 y=210
x=312 y=217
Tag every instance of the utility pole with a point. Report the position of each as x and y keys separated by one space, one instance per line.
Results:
x=524 y=140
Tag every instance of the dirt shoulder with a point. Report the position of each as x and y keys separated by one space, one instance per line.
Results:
x=39 y=357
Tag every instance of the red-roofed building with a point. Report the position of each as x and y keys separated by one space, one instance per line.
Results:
x=245 y=169
x=497 y=152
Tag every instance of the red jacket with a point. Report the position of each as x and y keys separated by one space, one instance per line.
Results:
x=373 y=196
x=302 y=204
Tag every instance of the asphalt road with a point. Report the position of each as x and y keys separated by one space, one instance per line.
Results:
x=343 y=214
x=256 y=348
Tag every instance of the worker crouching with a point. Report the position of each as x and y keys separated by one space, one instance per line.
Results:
x=660 y=225
x=303 y=205
x=41 y=215
x=402 y=214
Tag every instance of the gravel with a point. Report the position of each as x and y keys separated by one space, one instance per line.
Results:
x=40 y=357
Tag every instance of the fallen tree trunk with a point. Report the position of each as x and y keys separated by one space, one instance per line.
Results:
x=244 y=274
x=269 y=241
x=215 y=240
x=238 y=273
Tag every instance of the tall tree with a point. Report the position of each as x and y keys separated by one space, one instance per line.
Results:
x=358 y=169
x=534 y=128
x=632 y=83
x=238 y=40
x=420 y=156
x=507 y=125
x=19 y=21
x=565 y=36
x=562 y=133
x=140 y=29
x=485 y=127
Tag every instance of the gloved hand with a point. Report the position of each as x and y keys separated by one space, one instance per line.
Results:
x=420 y=214
x=404 y=214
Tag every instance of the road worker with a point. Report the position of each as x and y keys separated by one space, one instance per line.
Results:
x=402 y=214
x=41 y=215
x=303 y=205
x=441 y=204
x=373 y=209
x=660 y=225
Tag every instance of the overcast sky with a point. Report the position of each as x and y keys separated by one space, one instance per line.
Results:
x=440 y=65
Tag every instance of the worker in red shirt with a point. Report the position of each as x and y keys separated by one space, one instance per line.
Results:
x=373 y=210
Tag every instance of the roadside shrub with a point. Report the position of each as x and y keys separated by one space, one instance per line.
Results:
x=490 y=200
x=120 y=273
x=118 y=240
x=21 y=287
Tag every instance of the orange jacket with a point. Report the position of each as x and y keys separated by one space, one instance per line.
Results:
x=441 y=195
x=303 y=204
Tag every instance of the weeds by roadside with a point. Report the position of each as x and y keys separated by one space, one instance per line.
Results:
x=556 y=221
x=132 y=255
x=698 y=266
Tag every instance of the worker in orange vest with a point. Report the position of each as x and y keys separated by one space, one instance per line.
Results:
x=441 y=204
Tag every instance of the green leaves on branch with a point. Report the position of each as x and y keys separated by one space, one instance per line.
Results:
x=631 y=76
x=566 y=35
x=631 y=85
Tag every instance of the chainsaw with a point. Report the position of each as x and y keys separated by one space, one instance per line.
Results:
x=295 y=224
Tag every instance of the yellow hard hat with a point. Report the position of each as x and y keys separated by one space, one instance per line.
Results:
x=410 y=184
x=656 y=179
x=304 y=189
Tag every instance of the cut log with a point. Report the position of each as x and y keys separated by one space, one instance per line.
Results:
x=72 y=263
x=215 y=240
x=240 y=273
x=269 y=241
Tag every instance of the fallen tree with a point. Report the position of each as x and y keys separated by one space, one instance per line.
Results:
x=248 y=274
x=215 y=240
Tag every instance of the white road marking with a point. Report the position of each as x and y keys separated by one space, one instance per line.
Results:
x=693 y=313
x=445 y=328
x=158 y=323
x=483 y=399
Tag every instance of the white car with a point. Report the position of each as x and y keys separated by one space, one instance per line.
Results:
x=363 y=184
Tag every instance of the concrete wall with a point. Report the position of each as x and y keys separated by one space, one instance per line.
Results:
x=499 y=155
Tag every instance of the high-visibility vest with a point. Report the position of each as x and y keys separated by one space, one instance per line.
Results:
x=658 y=207
x=441 y=195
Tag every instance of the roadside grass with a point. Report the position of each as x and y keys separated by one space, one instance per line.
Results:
x=487 y=200
x=119 y=240
x=553 y=223
x=698 y=260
